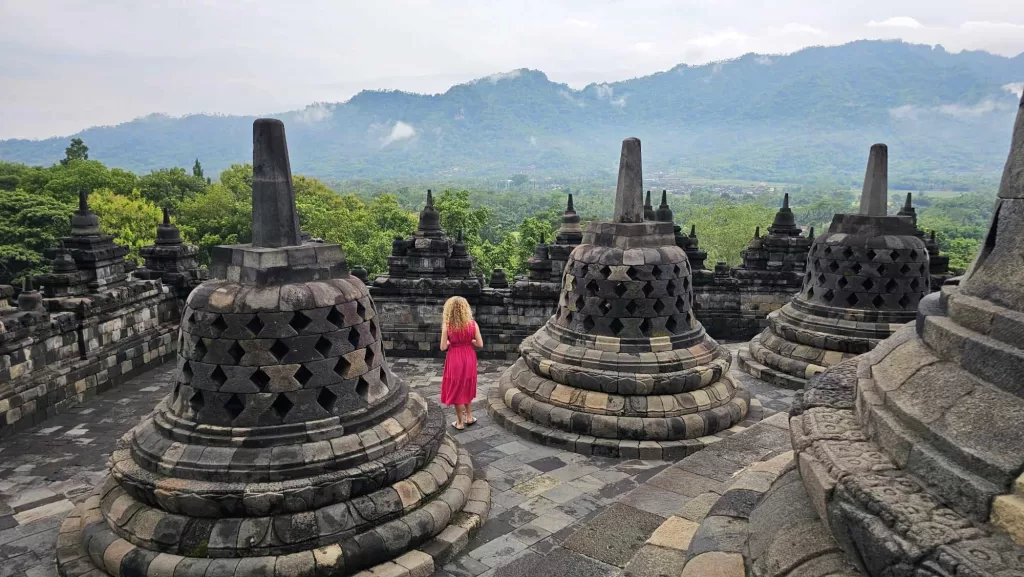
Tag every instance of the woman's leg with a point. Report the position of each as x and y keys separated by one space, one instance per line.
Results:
x=458 y=416
x=469 y=415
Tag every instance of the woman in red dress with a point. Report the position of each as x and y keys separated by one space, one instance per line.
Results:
x=460 y=336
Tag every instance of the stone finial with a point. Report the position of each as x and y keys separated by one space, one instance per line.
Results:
x=785 y=220
x=361 y=274
x=167 y=233
x=275 y=220
x=875 y=195
x=629 y=190
x=84 y=222
x=167 y=216
x=933 y=236
x=29 y=300
x=568 y=205
x=693 y=231
x=757 y=232
x=498 y=279
x=810 y=234
x=1012 y=183
x=785 y=202
x=62 y=262
x=649 y=213
x=664 y=212
x=430 y=198
x=430 y=219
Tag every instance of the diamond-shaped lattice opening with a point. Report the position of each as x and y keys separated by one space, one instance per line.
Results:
x=881 y=269
x=336 y=318
x=219 y=325
x=591 y=287
x=177 y=391
x=588 y=324
x=342 y=366
x=659 y=306
x=234 y=406
x=833 y=266
x=842 y=282
x=904 y=269
x=677 y=271
x=904 y=301
x=856 y=268
x=361 y=310
x=373 y=330
x=384 y=376
x=680 y=303
x=369 y=356
x=583 y=270
x=260 y=379
x=199 y=351
x=645 y=327
x=828 y=250
x=326 y=399
x=579 y=302
x=616 y=326
x=605 y=307
x=686 y=282
x=353 y=337
x=648 y=289
x=868 y=284
x=303 y=375
x=671 y=324
x=914 y=284
x=299 y=321
x=189 y=319
x=236 y=352
x=255 y=325
x=281 y=405
x=870 y=254
x=847 y=252
x=323 y=346
x=828 y=296
x=878 y=301
x=362 y=388
x=631 y=273
x=568 y=318
x=620 y=290
x=279 y=350
x=606 y=271
x=852 y=300
x=822 y=278
x=810 y=292
x=658 y=272
x=186 y=372
x=631 y=307
x=891 y=285
x=218 y=376
x=894 y=255
x=913 y=254
x=196 y=402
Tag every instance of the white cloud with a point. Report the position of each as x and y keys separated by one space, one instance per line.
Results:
x=912 y=112
x=795 y=28
x=533 y=141
x=1015 y=88
x=581 y=23
x=316 y=112
x=498 y=77
x=400 y=131
x=896 y=22
x=606 y=92
x=764 y=61
x=565 y=94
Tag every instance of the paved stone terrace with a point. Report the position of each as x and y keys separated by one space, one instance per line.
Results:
x=580 y=515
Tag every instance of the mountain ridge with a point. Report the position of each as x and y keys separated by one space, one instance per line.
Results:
x=766 y=117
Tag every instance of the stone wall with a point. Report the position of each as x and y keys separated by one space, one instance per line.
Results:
x=412 y=324
x=63 y=357
x=737 y=312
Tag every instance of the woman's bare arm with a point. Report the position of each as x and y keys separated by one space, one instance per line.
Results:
x=444 y=337
x=478 y=339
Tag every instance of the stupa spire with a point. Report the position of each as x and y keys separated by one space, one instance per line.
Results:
x=275 y=220
x=875 y=195
x=629 y=191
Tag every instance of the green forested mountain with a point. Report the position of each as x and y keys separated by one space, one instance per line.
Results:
x=811 y=114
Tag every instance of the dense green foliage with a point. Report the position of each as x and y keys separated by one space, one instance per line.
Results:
x=792 y=118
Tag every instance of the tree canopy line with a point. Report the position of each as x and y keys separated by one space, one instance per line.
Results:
x=500 y=227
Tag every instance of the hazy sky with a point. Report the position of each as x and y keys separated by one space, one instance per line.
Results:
x=69 y=64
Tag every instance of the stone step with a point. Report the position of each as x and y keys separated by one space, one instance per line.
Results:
x=1008 y=512
x=752 y=367
x=722 y=479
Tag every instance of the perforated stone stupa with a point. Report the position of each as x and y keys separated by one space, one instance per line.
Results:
x=622 y=369
x=864 y=279
x=913 y=454
x=287 y=446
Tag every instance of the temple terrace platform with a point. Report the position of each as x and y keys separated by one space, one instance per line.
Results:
x=554 y=512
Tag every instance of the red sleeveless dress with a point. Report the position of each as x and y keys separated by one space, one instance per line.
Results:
x=458 y=385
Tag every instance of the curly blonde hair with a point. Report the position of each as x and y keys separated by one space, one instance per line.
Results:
x=457 y=314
